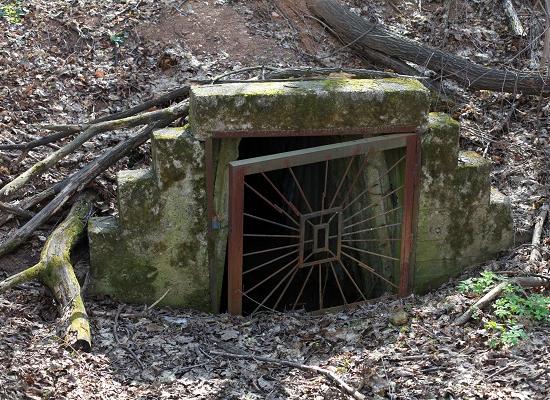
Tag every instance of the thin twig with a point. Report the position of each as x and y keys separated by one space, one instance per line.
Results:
x=331 y=376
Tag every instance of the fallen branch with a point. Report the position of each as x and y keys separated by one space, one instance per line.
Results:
x=32 y=201
x=89 y=132
x=524 y=281
x=343 y=386
x=367 y=35
x=16 y=210
x=515 y=23
x=55 y=271
x=537 y=233
x=38 y=142
x=81 y=178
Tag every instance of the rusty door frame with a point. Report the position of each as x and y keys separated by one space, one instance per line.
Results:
x=239 y=169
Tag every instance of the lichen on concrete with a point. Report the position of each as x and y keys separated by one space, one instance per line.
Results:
x=157 y=246
x=323 y=104
x=461 y=220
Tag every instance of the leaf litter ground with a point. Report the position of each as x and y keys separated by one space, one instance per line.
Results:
x=66 y=62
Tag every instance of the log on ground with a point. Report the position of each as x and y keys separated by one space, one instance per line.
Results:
x=366 y=35
x=55 y=271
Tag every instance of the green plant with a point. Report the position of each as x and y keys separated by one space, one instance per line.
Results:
x=12 y=12
x=512 y=308
x=479 y=285
x=119 y=38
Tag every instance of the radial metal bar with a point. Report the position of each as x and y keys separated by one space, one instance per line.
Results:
x=371 y=218
x=320 y=286
x=300 y=190
x=367 y=189
x=341 y=182
x=370 y=252
x=275 y=288
x=371 y=204
x=285 y=288
x=271 y=249
x=370 y=240
x=269 y=262
x=352 y=280
x=270 y=236
x=359 y=171
x=370 y=269
x=270 y=276
x=338 y=283
x=282 y=196
x=275 y=206
x=270 y=221
x=302 y=288
x=371 y=229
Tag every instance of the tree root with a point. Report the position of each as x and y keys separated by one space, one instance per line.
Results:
x=55 y=271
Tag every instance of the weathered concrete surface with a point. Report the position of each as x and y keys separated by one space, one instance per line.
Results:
x=461 y=220
x=158 y=242
x=323 y=104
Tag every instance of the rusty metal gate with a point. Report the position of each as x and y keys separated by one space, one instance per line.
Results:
x=322 y=227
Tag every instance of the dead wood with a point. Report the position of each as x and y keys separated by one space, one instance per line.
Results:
x=55 y=271
x=38 y=142
x=16 y=210
x=80 y=179
x=32 y=201
x=515 y=23
x=155 y=101
x=546 y=48
x=301 y=72
x=371 y=36
x=523 y=281
x=331 y=376
x=537 y=233
x=89 y=132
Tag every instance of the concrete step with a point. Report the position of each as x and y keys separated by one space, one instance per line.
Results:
x=473 y=180
x=137 y=199
x=174 y=152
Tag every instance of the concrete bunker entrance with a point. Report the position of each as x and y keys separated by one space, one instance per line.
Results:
x=322 y=221
x=174 y=235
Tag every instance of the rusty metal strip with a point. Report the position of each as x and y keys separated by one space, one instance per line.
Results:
x=366 y=131
x=412 y=176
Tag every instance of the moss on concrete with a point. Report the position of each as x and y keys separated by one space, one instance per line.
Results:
x=324 y=104
x=458 y=224
x=158 y=245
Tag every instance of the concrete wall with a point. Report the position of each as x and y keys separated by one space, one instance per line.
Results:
x=159 y=241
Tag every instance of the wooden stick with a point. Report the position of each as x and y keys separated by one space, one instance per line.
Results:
x=38 y=142
x=343 y=386
x=16 y=210
x=515 y=23
x=546 y=48
x=32 y=201
x=81 y=178
x=89 y=132
x=525 y=282
x=537 y=233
